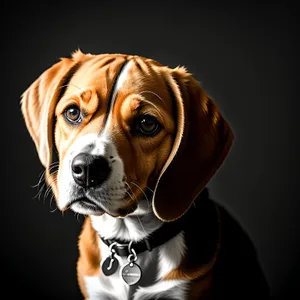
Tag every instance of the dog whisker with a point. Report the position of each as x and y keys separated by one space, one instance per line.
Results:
x=55 y=163
x=133 y=197
x=51 y=174
x=49 y=188
x=153 y=105
x=38 y=185
x=66 y=85
x=47 y=192
x=41 y=178
x=51 y=200
x=130 y=196
x=148 y=202
x=150 y=189
x=141 y=224
x=53 y=210
x=130 y=191
x=52 y=167
x=42 y=181
x=153 y=93
x=40 y=191
x=77 y=216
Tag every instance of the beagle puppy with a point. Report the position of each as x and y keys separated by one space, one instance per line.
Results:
x=136 y=143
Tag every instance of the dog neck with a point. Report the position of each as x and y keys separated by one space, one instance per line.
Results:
x=137 y=225
x=134 y=227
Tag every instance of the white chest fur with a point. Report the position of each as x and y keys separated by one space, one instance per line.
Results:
x=154 y=265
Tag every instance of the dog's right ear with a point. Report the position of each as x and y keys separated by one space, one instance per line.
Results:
x=202 y=142
x=39 y=100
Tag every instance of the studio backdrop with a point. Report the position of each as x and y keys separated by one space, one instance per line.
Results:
x=246 y=58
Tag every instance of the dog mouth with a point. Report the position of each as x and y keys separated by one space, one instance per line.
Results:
x=87 y=204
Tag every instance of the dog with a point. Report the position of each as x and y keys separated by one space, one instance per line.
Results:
x=136 y=143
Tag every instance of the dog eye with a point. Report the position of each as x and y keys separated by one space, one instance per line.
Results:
x=73 y=114
x=148 y=125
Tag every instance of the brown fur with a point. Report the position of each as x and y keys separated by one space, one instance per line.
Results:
x=89 y=261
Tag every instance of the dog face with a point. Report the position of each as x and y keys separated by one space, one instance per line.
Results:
x=112 y=139
x=126 y=130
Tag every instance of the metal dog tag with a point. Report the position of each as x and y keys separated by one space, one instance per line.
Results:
x=131 y=273
x=110 y=266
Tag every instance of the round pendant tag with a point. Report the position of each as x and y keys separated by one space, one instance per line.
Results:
x=131 y=273
x=109 y=266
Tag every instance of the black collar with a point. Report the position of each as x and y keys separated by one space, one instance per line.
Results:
x=160 y=236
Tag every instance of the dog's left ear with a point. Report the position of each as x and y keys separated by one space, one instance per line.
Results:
x=38 y=104
x=202 y=142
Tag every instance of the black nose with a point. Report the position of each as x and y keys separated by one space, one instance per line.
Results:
x=90 y=170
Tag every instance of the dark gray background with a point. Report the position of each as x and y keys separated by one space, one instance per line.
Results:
x=245 y=55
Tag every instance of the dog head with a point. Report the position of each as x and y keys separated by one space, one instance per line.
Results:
x=125 y=129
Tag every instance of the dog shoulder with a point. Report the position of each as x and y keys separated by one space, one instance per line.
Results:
x=238 y=262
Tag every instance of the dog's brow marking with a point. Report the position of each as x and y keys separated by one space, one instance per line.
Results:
x=106 y=61
x=117 y=85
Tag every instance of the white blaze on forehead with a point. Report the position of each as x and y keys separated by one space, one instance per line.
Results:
x=118 y=85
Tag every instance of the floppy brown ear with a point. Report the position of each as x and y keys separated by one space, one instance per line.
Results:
x=202 y=142
x=38 y=105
